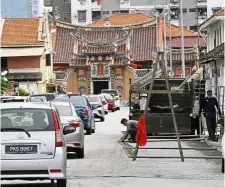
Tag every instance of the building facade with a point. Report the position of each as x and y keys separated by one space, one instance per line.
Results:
x=84 y=12
x=214 y=57
x=27 y=59
x=22 y=8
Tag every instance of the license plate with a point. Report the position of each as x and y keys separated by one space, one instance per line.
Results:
x=20 y=149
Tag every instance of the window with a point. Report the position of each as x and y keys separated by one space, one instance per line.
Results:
x=48 y=59
x=81 y=15
x=105 y=12
x=66 y=1
x=124 y=11
x=194 y=28
x=35 y=2
x=29 y=119
x=215 y=39
x=29 y=9
x=192 y=10
x=116 y=12
x=4 y=63
x=64 y=110
x=96 y=15
x=184 y=10
x=66 y=16
x=35 y=12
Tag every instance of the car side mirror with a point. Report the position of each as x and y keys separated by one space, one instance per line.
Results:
x=68 y=130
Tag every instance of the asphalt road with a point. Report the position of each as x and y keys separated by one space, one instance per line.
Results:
x=106 y=163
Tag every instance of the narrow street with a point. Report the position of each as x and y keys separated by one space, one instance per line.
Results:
x=107 y=164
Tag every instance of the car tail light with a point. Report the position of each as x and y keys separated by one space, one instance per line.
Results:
x=99 y=106
x=76 y=144
x=75 y=123
x=55 y=170
x=84 y=111
x=58 y=134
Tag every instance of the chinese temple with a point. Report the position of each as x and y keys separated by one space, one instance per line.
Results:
x=106 y=54
x=89 y=59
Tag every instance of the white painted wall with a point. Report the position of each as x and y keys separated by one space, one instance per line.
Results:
x=213 y=3
x=32 y=88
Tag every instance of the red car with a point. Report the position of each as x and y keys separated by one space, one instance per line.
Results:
x=111 y=102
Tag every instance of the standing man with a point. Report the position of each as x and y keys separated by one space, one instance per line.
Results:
x=131 y=129
x=195 y=117
x=208 y=106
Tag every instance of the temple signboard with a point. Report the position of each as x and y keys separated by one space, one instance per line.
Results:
x=100 y=70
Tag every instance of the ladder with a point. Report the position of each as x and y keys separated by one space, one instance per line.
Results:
x=159 y=66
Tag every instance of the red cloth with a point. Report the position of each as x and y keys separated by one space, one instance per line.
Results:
x=141 y=136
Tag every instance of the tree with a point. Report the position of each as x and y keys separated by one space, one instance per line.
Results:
x=4 y=85
x=23 y=92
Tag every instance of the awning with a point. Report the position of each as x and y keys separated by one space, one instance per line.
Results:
x=15 y=52
x=24 y=76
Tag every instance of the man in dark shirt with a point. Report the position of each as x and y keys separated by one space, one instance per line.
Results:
x=208 y=105
x=131 y=129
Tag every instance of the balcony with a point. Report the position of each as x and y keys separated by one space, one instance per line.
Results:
x=202 y=3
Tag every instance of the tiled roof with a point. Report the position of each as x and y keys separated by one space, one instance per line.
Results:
x=124 y=19
x=176 y=31
x=63 y=45
x=189 y=42
x=20 y=31
x=143 y=43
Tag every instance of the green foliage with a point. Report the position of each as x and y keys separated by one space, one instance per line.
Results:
x=4 y=85
x=23 y=92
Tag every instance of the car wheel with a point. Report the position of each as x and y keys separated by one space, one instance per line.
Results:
x=222 y=165
x=88 y=131
x=93 y=130
x=118 y=108
x=102 y=119
x=61 y=183
x=106 y=112
x=113 y=110
x=80 y=153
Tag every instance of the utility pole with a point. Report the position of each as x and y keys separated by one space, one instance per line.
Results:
x=164 y=28
x=182 y=38
x=171 y=61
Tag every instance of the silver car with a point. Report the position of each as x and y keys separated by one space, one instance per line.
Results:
x=69 y=117
x=32 y=143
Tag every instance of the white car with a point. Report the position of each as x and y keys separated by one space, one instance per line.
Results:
x=68 y=117
x=116 y=96
x=32 y=143
x=98 y=109
x=104 y=103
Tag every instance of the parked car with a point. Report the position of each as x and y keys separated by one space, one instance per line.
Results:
x=111 y=102
x=33 y=147
x=16 y=99
x=104 y=103
x=97 y=106
x=6 y=97
x=116 y=95
x=83 y=109
x=69 y=117
x=49 y=96
x=37 y=99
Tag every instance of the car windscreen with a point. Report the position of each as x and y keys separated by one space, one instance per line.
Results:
x=110 y=92
x=29 y=119
x=92 y=99
x=78 y=100
x=13 y=100
x=64 y=110
x=49 y=97
x=36 y=99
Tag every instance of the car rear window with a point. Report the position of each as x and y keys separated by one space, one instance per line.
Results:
x=78 y=100
x=13 y=100
x=64 y=110
x=93 y=99
x=49 y=97
x=30 y=119
x=110 y=92
x=109 y=97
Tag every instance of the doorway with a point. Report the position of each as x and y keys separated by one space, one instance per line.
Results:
x=98 y=86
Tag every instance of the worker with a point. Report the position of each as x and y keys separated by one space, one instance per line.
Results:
x=208 y=105
x=131 y=129
x=195 y=117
